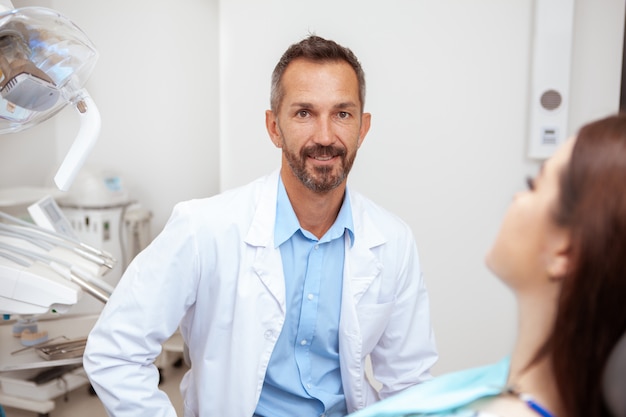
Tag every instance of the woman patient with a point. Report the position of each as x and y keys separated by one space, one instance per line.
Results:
x=562 y=250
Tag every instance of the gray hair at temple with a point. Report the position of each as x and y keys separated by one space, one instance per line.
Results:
x=317 y=49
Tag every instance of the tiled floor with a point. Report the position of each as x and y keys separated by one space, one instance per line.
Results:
x=81 y=403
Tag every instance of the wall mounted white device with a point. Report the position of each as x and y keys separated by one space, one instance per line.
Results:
x=550 y=76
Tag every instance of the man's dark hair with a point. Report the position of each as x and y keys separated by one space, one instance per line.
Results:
x=317 y=49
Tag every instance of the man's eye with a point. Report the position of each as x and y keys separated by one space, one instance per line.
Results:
x=343 y=114
x=302 y=113
x=530 y=183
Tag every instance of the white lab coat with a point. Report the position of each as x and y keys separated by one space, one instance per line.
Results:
x=214 y=270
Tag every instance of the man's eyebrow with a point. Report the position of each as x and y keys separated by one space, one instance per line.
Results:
x=346 y=105
x=306 y=105
x=301 y=105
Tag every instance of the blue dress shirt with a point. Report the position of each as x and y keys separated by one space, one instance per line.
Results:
x=303 y=376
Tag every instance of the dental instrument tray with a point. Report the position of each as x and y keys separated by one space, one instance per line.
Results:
x=73 y=348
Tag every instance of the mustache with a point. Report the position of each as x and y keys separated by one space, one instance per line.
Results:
x=323 y=151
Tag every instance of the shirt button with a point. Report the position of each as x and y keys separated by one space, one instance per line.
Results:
x=303 y=342
x=317 y=247
x=268 y=334
x=310 y=296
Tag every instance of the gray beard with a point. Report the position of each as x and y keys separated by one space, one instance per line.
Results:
x=322 y=181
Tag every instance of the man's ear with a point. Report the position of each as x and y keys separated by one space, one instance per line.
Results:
x=271 y=124
x=366 y=120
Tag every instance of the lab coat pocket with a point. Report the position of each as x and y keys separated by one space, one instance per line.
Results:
x=373 y=319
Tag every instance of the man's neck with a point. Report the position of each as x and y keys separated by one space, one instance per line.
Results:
x=316 y=212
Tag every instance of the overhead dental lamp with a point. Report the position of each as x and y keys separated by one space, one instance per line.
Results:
x=45 y=60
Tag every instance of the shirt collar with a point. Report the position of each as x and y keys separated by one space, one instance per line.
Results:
x=287 y=223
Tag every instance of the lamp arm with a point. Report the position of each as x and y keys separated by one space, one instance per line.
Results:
x=85 y=140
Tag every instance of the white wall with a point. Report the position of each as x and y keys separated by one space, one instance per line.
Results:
x=447 y=87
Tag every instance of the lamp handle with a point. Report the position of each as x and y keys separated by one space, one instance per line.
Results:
x=85 y=140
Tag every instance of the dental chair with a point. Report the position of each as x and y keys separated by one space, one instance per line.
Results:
x=614 y=380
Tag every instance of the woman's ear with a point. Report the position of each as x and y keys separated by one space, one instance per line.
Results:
x=558 y=262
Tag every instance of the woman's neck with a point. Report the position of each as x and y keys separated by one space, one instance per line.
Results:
x=537 y=313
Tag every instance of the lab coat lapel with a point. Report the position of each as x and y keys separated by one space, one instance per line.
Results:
x=362 y=266
x=361 y=269
x=267 y=264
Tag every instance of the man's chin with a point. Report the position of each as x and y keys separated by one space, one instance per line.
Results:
x=325 y=185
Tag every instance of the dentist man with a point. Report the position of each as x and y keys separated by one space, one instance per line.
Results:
x=283 y=287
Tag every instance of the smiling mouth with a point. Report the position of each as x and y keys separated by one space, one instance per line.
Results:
x=324 y=154
x=323 y=157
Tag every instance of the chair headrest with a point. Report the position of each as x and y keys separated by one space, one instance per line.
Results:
x=614 y=379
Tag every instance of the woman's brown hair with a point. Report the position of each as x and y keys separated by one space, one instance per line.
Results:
x=591 y=313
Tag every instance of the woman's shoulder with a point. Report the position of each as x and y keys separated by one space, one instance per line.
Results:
x=496 y=406
x=446 y=395
x=503 y=406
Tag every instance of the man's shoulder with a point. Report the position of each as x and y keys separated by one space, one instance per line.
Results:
x=245 y=191
x=234 y=201
x=365 y=206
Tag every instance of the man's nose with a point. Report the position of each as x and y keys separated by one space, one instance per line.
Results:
x=325 y=134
